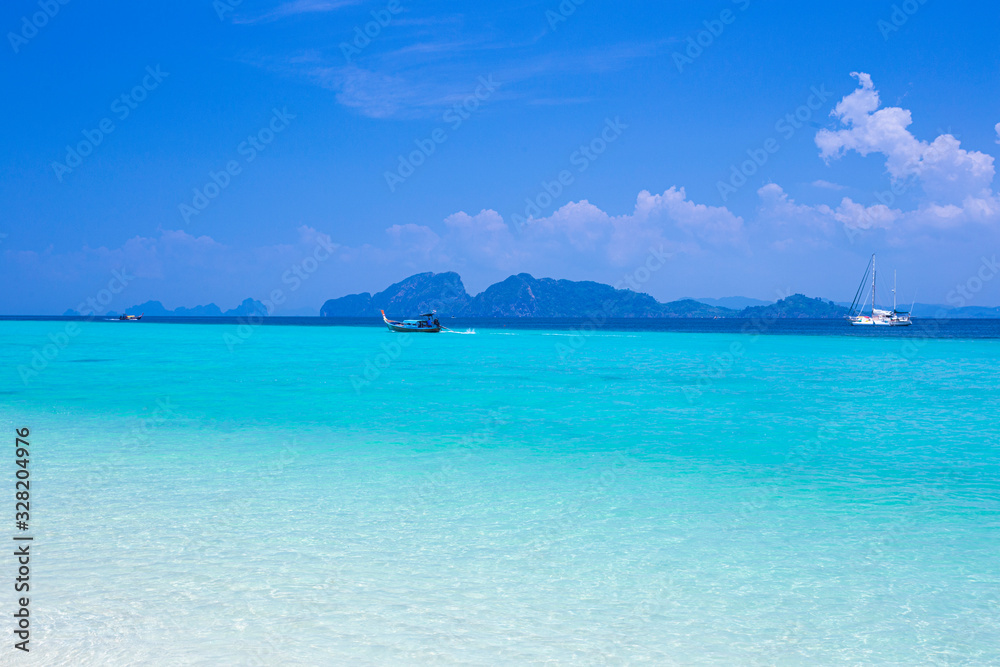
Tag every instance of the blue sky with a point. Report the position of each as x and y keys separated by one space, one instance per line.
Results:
x=509 y=95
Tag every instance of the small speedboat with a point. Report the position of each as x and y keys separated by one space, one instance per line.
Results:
x=426 y=324
x=130 y=318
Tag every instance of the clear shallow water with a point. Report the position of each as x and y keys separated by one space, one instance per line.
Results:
x=517 y=496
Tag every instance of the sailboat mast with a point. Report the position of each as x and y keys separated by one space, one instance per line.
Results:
x=894 y=290
x=873 y=284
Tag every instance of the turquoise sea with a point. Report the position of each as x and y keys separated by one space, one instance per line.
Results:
x=205 y=494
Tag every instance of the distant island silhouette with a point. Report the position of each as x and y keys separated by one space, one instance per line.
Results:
x=523 y=295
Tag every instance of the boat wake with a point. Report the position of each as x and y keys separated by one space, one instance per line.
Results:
x=467 y=331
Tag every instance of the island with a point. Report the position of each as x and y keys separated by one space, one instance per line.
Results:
x=523 y=295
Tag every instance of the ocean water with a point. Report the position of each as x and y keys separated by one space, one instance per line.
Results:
x=306 y=495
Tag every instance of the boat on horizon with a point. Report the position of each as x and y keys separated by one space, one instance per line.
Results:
x=878 y=317
x=130 y=318
x=427 y=323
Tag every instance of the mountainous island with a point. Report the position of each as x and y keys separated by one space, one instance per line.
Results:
x=523 y=295
x=156 y=309
x=249 y=307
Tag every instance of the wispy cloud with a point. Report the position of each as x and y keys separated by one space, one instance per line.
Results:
x=485 y=247
x=418 y=66
x=381 y=95
x=826 y=185
x=559 y=101
x=447 y=47
x=425 y=78
x=452 y=19
x=298 y=7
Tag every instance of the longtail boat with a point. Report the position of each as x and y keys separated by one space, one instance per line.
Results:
x=426 y=324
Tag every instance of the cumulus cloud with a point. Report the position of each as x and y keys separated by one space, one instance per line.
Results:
x=858 y=216
x=780 y=211
x=578 y=237
x=578 y=240
x=778 y=214
x=175 y=267
x=945 y=171
x=711 y=224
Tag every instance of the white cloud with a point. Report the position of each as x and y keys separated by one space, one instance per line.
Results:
x=945 y=171
x=483 y=237
x=778 y=210
x=579 y=240
x=857 y=216
x=780 y=217
x=670 y=220
x=174 y=267
x=578 y=234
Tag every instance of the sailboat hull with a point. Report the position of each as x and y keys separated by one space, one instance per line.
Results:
x=880 y=321
x=870 y=323
x=878 y=317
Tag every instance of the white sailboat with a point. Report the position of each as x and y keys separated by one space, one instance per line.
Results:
x=877 y=317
